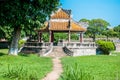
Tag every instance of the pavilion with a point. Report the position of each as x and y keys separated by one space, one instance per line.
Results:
x=61 y=21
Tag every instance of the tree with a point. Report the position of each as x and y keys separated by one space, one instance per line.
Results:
x=24 y=15
x=74 y=36
x=60 y=36
x=96 y=26
x=6 y=33
x=84 y=20
x=2 y=33
x=117 y=29
x=109 y=33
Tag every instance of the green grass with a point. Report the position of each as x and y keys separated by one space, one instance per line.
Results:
x=23 y=67
x=100 y=67
x=115 y=53
x=3 y=52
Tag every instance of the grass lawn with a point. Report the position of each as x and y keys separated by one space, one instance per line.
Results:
x=27 y=67
x=99 y=67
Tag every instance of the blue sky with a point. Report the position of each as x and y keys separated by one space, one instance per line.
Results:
x=108 y=10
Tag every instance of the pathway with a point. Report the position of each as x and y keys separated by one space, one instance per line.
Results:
x=57 y=70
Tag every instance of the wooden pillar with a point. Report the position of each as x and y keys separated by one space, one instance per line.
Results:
x=51 y=36
x=39 y=36
x=81 y=37
x=69 y=36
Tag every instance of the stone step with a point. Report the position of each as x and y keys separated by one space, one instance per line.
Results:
x=57 y=52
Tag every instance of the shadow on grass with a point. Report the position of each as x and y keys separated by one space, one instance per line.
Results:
x=23 y=54
x=2 y=54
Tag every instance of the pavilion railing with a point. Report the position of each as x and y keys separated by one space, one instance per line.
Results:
x=36 y=47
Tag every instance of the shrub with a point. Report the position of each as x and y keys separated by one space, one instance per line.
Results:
x=105 y=46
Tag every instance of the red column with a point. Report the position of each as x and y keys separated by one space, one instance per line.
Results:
x=81 y=37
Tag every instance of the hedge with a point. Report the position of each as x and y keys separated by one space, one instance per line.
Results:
x=105 y=46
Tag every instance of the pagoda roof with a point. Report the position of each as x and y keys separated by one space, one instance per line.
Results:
x=63 y=26
x=61 y=21
x=77 y=27
x=59 y=26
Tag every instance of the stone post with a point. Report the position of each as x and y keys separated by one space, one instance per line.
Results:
x=69 y=36
x=39 y=36
x=81 y=37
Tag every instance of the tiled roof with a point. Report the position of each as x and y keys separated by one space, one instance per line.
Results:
x=76 y=27
x=67 y=11
x=63 y=26
x=61 y=14
x=59 y=26
x=60 y=22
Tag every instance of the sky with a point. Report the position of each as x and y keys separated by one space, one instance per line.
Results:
x=108 y=10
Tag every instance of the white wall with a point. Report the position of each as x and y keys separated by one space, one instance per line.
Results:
x=84 y=51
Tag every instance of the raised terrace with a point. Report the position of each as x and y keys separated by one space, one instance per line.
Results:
x=61 y=21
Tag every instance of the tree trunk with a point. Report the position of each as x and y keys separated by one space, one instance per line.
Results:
x=13 y=50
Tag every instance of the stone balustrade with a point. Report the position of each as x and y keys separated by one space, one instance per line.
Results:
x=117 y=45
x=82 y=49
x=37 y=44
x=91 y=40
x=80 y=45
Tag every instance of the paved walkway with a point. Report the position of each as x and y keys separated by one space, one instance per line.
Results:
x=57 y=70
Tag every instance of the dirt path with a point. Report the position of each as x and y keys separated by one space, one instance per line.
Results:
x=57 y=70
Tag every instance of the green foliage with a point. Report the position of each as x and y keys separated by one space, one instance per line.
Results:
x=105 y=46
x=95 y=27
x=109 y=33
x=102 y=67
x=6 y=32
x=26 y=16
x=60 y=36
x=84 y=20
x=74 y=36
x=74 y=72
x=2 y=33
x=21 y=43
x=45 y=37
x=117 y=30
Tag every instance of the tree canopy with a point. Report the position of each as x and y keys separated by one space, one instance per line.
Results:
x=24 y=15
x=117 y=29
x=96 y=26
